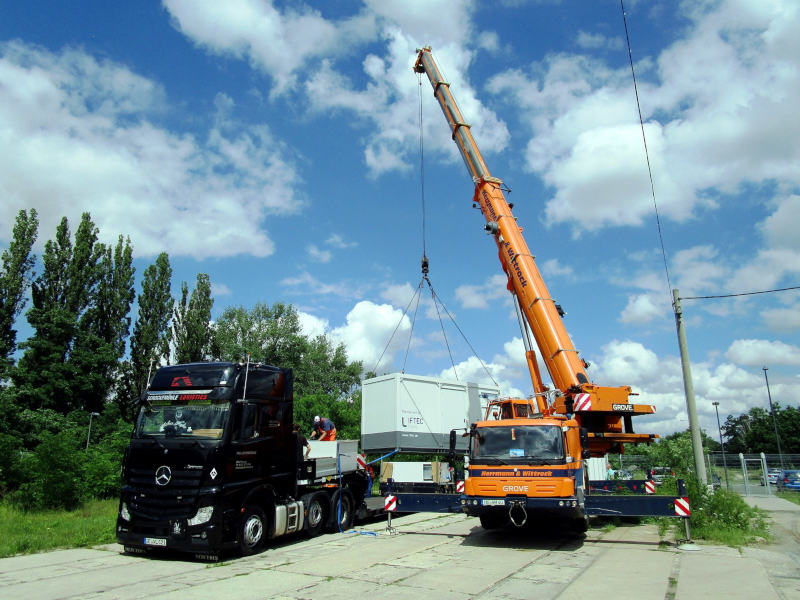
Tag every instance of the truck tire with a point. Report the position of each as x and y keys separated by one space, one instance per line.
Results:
x=252 y=530
x=493 y=520
x=345 y=517
x=317 y=506
x=580 y=525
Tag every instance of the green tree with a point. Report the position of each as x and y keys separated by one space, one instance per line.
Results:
x=16 y=272
x=325 y=369
x=40 y=378
x=150 y=339
x=273 y=335
x=754 y=431
x=191 y=322
x=345 y=413
x=268 y=334
x=79 y=315
x=99 y=342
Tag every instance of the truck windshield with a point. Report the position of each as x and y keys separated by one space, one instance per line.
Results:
x=519 y=444
x=159 y=418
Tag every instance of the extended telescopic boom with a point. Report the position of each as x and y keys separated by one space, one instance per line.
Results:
x=603 y=410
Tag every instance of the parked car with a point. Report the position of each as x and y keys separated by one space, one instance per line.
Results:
x=623 y=474
x=773 y=476
x=659 y=473
x=789 y=480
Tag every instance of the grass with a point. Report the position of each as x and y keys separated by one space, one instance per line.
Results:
x=721 y=517
x=31 y=532
x=790 y=496
x=724 y=517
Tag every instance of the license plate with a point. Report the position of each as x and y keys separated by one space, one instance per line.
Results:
x=498 y=502
x=155 y=541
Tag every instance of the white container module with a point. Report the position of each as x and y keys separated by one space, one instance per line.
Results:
x=331 y=456
x=416 y=472
x=414 y=413
x=597 y=468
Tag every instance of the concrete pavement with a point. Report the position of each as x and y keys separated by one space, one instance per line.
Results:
x=447 y=556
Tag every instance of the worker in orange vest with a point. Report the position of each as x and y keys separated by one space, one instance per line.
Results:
x=325 y=428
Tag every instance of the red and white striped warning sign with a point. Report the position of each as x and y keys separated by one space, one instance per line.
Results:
x=650 y=486
x=390 y=503
x=361 y=461
x=682 y=507
x=582 y=402
x=460 y=487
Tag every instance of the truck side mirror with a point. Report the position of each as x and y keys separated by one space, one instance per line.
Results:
x=584 y=435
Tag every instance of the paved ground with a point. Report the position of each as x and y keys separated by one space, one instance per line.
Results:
x=441 y=556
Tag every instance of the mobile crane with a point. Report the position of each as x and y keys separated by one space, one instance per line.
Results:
x=528 y=455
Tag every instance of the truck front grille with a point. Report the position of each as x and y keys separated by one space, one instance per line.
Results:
x=176 y=499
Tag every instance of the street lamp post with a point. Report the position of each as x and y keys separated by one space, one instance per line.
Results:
x=721 y=443
x=774 y=421
x=89 y=433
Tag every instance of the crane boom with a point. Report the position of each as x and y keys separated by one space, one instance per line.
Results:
x=602 y=410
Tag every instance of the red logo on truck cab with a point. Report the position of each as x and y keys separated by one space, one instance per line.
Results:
x=181 y=382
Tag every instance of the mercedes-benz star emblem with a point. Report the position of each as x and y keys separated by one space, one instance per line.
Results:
x=163 y=475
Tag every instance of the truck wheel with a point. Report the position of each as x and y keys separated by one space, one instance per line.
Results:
x=252 y=530
x=580 y=525
x=316 y=513
x=493 y=520
x=345 y=517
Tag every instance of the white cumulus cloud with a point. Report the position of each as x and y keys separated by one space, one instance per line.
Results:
x=758 y=353
x=78 y=134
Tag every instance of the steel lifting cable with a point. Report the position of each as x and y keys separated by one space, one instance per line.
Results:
x=399 y=322
x=418 y=294
x=422 y=167
x=653 y=189
x=441 y=324
x=413 y=323
x=644 y=140
x=452 y=319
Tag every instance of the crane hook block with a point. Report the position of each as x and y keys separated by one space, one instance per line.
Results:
x=424 y=265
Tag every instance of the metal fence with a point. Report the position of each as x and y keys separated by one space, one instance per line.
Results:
x=746 y=474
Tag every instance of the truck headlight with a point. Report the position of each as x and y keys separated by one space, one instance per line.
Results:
x=124 y=512
x=203 y=515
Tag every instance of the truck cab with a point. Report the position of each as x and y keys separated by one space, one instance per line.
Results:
x=523 y=463
x=213 y=464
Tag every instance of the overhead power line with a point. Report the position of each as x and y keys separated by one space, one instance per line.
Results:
x=644 y=141
x=796 y=287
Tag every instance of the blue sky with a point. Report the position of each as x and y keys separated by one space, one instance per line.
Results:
x=275 y=146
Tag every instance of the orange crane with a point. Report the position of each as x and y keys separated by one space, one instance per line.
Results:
x=526 y=458
x=605 y=412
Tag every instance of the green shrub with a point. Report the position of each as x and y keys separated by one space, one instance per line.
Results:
x=102 y=464
x=10 y=455
x=720 y=515
x=54 y=469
